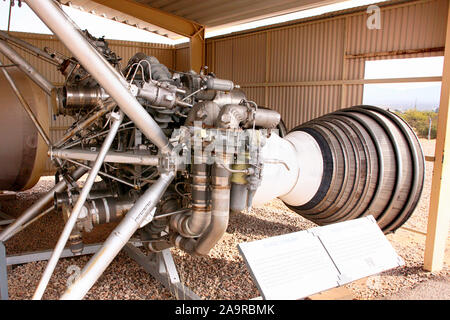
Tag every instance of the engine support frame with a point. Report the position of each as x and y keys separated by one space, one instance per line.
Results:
x=162 y=267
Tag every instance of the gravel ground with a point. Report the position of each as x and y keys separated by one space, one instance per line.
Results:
x=221 y=275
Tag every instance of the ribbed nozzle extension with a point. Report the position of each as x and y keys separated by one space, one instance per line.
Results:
x=373 y=165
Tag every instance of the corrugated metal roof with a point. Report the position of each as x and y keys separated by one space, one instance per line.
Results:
x=211 y=13
x=214 y=13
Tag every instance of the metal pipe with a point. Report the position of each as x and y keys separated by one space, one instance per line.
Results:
x=23 y=65
x=193 y=225
x=111 y=156
x=101 y=173
x=141 y=212
x=165 y=215
x=266 y=118
x=107 y=209
x=25 y=45
x=84 y=124
x=232 y=115
x=114 y=84
x=76 y=142
x=116 y=121
x=26 y=106
x=36 y=218
x=71 y=100
x=220 y=196
x=37 y=207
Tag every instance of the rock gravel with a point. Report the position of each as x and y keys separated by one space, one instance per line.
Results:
x=222 y=274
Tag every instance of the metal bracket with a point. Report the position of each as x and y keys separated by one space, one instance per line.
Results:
x=162 y=267
x=28 y=257
x=3 y=273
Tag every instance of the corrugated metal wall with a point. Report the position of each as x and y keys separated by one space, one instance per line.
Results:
x=314 y=67
x=182 y=58
x=124 y=49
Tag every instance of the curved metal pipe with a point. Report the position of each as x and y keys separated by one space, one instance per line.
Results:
x=193 y=225
x=220 y=211
x=231 y=115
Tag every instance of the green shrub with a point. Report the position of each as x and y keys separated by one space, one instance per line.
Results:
x=420 y=121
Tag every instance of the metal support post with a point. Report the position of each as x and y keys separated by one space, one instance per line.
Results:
x=3 y=273
x=37 y=207
x=439 y=212
x=139 y=215
x=116 y=121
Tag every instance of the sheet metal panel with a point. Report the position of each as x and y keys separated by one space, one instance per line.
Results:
x=249 y=59
x=209 y=52
x=301 y=104
x=256 y=94
x=182 y=62
x=352 y=95
x=309 y=52
x=223 y=57
x=408 y=26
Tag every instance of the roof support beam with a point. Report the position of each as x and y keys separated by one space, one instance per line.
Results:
x=439 y=213
x=191 y=29
x=197 y=50
x=154 y=16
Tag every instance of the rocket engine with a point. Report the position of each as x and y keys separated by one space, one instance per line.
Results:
x=178 y=151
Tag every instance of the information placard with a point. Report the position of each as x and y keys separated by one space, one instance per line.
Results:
x=299 y=264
